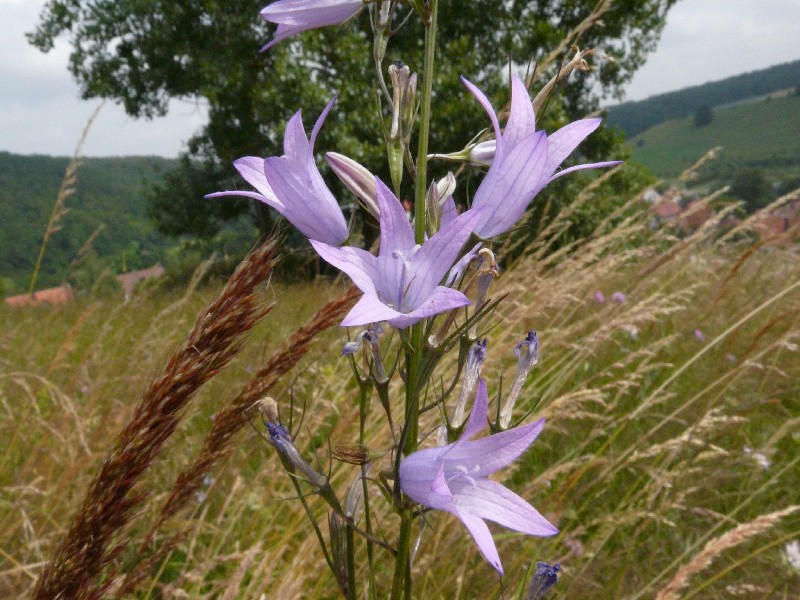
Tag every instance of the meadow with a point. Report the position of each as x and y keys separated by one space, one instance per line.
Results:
x=669 y=460
x=758 y=133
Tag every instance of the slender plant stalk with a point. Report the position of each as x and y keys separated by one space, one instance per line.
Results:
x=66 y=190
x=401 y=583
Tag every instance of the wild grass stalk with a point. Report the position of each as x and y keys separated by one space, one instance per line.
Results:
x=86 y=549
x=66 y=190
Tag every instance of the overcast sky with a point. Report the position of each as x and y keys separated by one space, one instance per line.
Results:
x=41 y=112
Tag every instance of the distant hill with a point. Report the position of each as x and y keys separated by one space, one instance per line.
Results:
x=762 y=134
x=636 y=117
x=110 y=191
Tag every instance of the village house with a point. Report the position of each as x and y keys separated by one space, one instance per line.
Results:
x=55 y=296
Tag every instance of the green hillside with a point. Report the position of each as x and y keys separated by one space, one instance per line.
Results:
x=636 y=117
x=110 y=191
x=764 y=135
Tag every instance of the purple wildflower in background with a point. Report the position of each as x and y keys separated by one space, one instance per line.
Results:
x=699 y=335
x=524 y=162
x=295 y=16
x=453 y=478
x=292 y=184
x=599 y=297
x=401 y=284
x=619 y=297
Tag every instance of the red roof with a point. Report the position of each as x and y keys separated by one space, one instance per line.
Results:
x=667 y=209
x=129 y=280
x=57 y=295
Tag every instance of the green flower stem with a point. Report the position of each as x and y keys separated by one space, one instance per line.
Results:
x=401 y=566
x=401 y=584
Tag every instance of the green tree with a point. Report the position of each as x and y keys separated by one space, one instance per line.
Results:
x=141 y=53
x=750 y=186
x=703 y=116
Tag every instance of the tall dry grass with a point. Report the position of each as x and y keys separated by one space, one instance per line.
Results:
x=669 y=460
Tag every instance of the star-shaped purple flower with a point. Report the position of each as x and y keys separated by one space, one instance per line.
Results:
x=524 y=162
x=401 y=284
x=292 y=184
x=294 y=16
x=453 y=478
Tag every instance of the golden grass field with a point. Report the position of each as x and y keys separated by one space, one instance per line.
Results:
x=669 y=461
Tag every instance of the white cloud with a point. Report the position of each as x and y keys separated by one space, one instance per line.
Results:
x=41 y=111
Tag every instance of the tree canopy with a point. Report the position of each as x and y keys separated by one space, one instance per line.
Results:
x=141 y=53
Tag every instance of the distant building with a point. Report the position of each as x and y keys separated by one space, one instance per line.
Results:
x=62 y=294
x=667 y=211
x=129 y=280
x=693 y=218
x=781 y=224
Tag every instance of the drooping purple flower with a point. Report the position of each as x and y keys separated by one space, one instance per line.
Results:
x=292 y=184
x=295 y=16
x=524 y=162
x=453 y=478
x=401 y=284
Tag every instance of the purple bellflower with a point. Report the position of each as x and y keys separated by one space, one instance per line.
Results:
x=453 y=478
x=401 y=284
x=524 y=162
x=292 y=184
x=295 y=16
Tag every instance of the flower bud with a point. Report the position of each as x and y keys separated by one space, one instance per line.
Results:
x=400 y=74
x=355 y=495
x=281 y=440
x=404 y=93
x=395 y=151
x=483 y=153
x=527 y=352
x=371 y=336
x=437 y=201
x=472 y=372
x=357 y=179
x=350 y=348
x=544 y=577
x=487 y=272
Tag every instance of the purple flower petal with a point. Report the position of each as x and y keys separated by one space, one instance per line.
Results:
x=453 y=478
x=563 y=142
x=457 y=272
x=435 y=257
x=521 y=120
x=518 y=168
x=510 y=185
x=292 y=185
x=396 y=232
x=369 y=309
x=490 y=500
x=449 y=212
x=251 y=168
x=295 y=144
x=441 y=299
x=358 y=264
x=482 y=536
x=487 y=106
x=479 y=413
x=295 y=16
x=494 y=452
